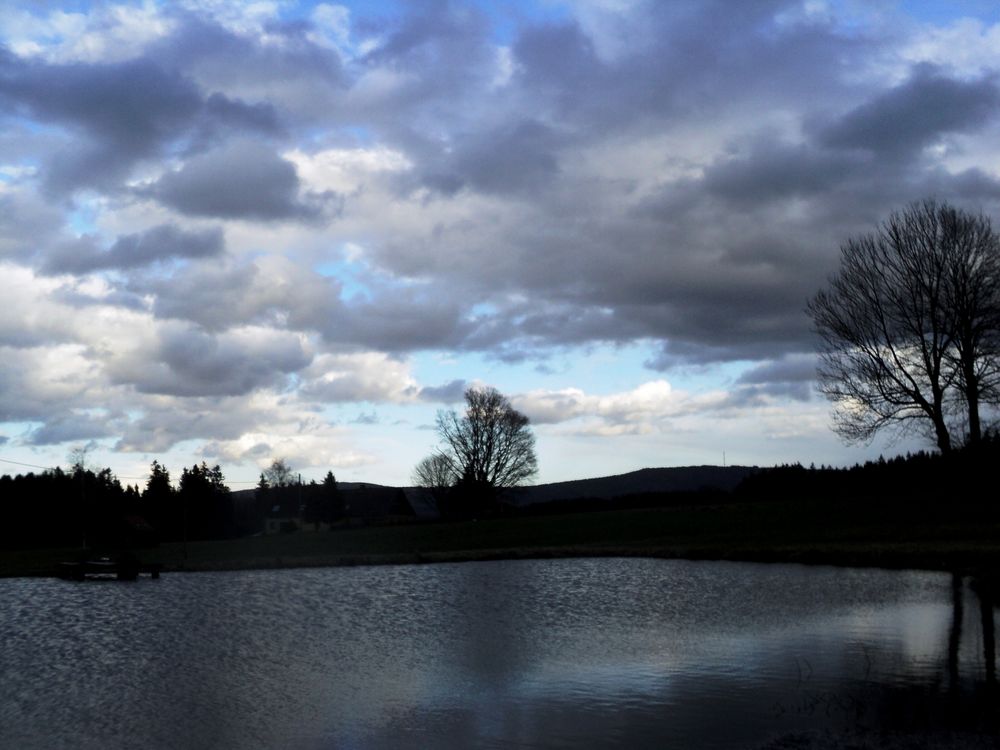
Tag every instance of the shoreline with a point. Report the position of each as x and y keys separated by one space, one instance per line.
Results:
x=935 y=538
x=964 y=562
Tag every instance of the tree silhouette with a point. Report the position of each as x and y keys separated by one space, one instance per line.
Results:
x=158 y=502
x=278 y=474
x=488 y=449
x=909 y=325
x=207 y=503
x=434 y=472
x=333 y=503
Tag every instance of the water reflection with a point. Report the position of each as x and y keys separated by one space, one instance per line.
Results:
x=559 y=653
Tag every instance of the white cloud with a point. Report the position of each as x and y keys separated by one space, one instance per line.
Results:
x=968 y=46
x=303 y=446
x=43 y=380
x=109 y=33
x=241 y=16
x=505 y=67
x=366 y=376
x=648 y=403
x=333 y=26
x=346 y=170
x=632 y=173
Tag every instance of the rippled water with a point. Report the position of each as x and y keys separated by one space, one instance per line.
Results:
x=553 y=653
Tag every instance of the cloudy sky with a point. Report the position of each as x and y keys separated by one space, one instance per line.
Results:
x=239 y=231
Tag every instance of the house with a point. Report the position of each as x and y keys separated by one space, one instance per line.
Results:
x=373 y=503
x=285 y=510
x=362 y=504
x=423 y=502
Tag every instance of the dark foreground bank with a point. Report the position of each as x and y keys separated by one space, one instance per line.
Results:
x=936 y=535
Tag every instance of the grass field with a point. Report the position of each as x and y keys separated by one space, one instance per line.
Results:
x=941 y=536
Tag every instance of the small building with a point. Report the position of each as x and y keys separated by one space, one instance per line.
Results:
x=423 y=503
x=372 y=503
x=282 y=518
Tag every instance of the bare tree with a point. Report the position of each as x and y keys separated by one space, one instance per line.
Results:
x=489 y=448
x=908 y=325
x=434 y=472
x=278 y=474
x=78 y=456
x=973 y=303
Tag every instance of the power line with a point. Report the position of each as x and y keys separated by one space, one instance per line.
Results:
x=21 y=463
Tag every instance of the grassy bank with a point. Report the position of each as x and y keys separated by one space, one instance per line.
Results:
x=942 y=536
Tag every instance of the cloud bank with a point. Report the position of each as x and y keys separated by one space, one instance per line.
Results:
x=217 y=224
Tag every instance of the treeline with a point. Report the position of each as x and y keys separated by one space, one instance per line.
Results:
x=630 y=501
x=284 y=498
x=962 y=476
x=83 y=507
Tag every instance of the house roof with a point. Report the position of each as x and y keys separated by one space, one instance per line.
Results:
x=375 y=501
x=422 y=501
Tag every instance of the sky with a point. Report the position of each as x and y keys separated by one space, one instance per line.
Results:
x=234 y=232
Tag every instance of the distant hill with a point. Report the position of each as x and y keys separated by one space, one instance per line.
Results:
x=247 y=495
x=673 y=479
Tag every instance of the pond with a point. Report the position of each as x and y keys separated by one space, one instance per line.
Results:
x=530 y=653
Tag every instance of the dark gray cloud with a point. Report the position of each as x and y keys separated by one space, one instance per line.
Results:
x=74 y=426
x=159 y=244
x=706 y=269
x=202 y=364
x=444 y=47
x=560 y=61
x=771 y=171
x=789 y=377
x=185 y=361
x=241 y=180
x=391 y=318
x=400 y=321
x=679 y=175
x=707 y=60
x=451 y=392
x=795 y=369
x=127 y=108
x=908 y=117
x=219 y=295
x=766 y=393
x=303 y=82
x=517 y=158
x=240 y=115
x=26 y=224
x=79 y=298
x=215 y=296
x=120 y=113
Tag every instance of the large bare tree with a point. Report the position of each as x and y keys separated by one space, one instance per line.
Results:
x=487 y=449
x=973 y=305
x=908 y=326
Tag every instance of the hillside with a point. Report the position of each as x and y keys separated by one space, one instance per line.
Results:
x=672 y=479
x=249 y=494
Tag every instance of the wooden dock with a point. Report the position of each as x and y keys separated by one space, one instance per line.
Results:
x=105 y=568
